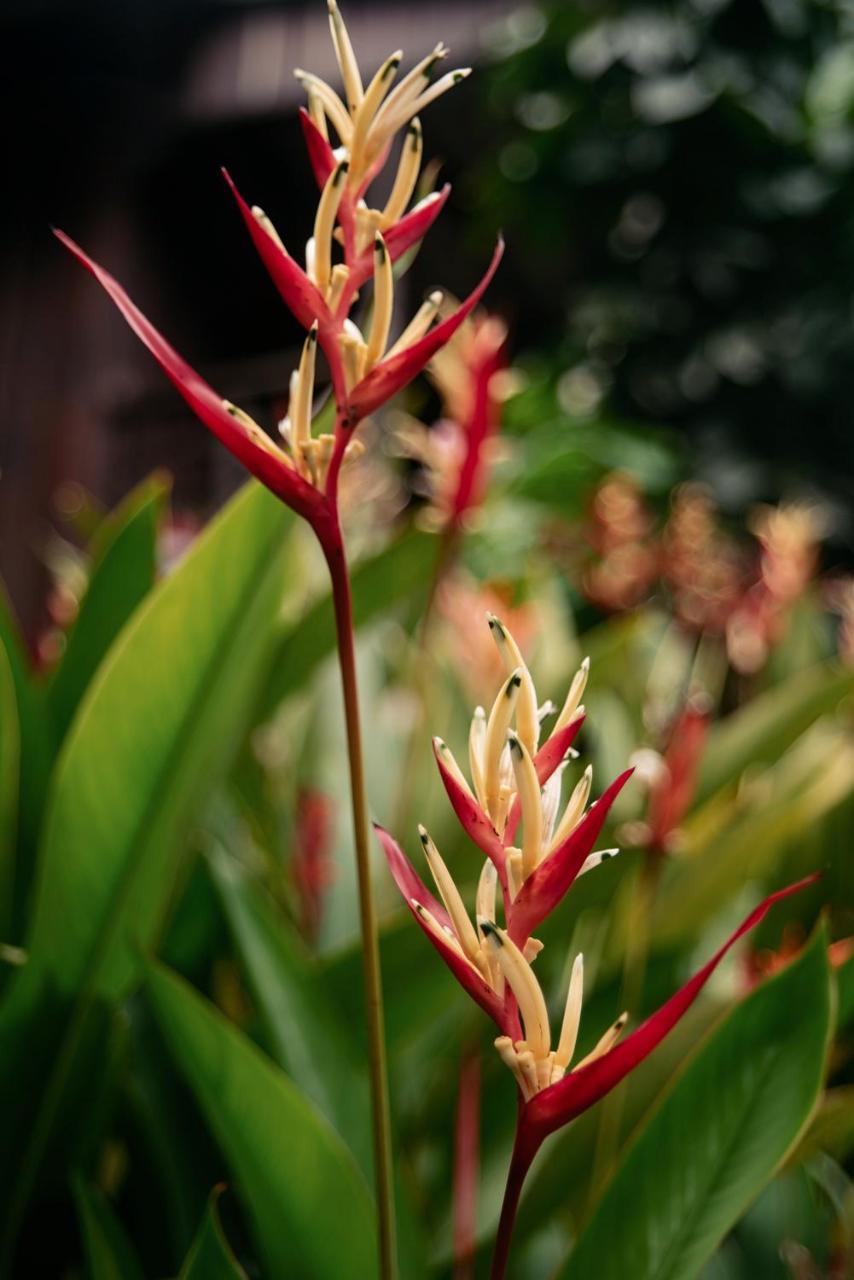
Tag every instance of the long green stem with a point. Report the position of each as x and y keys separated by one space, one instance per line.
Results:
x=337 y=562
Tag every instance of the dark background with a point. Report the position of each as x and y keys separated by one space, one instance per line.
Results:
x=675 y=183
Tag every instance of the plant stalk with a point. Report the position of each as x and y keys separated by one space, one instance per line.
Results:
x=466 y=1164
x=524 y=1150
x=333 y=549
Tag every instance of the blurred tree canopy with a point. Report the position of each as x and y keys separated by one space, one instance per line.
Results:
x=677 y=185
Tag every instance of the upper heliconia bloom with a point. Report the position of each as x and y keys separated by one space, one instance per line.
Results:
x=352 y=244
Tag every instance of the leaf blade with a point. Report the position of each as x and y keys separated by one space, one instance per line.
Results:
x=704 y=1154
x=286 y=1159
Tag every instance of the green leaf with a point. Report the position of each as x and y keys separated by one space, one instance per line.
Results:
x=717 y=1136
x=35 y=762
x=169 y=705
x=210 y=1257
x=761 y=731
x=109 y=1255
x=780 y=806
x=10 y=759
x=303 y=1027
x=157 y=726
x=306 y=1201
x=126 y=556
x=383 y=580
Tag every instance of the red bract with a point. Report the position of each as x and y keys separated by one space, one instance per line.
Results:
x=320 y=153
x=549 y=883
x=393 y=374
x=253 y=448
x=420 y=901
x=579 y=1090
x=479 y=426
x=471 y=817
x=302 y=298
x=403 y=235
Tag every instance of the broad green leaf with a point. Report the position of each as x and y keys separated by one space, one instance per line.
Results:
x=780 y=806
x=126 y=555
x=210 y=1257
x=306 y=1201
x=10 y=758
x=166 y=711
x=167 y=708
x=762 y=730
x=306 y=1034
x=36 y=759
x=393 y=575
x=109 y=1255
x=718 y=1134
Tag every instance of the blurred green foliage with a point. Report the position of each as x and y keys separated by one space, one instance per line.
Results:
x=676 y=183
x=169 y=1024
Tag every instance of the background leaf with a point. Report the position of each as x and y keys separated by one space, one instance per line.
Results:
x=292 y=1171
x=717 y=1136
x=762 y=730
x=306 y=1035
x=211 y=1258
x=392 y=575
x=125 y=550
x=109 y=1255
x=168 y=708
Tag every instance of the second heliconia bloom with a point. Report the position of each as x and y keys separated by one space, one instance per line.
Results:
x=537 y=841
x=536 y=831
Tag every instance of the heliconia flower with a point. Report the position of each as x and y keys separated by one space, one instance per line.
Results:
x=351 y=243
x=494 y=962
x=673 y=789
